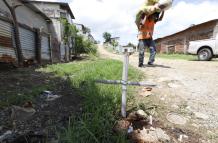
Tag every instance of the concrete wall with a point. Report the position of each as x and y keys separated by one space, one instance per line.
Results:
x=54 y=12
x=26 y=16
x=51 y=10
x=57 y=29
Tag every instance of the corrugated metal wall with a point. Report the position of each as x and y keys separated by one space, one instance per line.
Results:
x=7 y=51
x=28 y=43
x=45 y=49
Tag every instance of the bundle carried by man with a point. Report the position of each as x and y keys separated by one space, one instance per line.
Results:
x=150 y=7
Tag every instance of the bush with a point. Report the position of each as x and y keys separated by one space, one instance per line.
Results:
x=84 y=46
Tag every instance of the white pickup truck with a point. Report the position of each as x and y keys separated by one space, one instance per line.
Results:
x=205 y=49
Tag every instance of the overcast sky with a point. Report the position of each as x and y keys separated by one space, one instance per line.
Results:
x=118 y=16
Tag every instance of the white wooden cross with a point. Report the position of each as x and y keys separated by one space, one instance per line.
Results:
x=127 y=51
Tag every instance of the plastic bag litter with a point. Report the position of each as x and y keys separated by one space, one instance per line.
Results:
x=49 y=96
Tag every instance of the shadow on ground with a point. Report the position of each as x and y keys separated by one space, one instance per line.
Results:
x=20 y=85
x=156 y=65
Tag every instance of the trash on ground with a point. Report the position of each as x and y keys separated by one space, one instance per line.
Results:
x=150 y=120
x=141 y=114
x=173 y=85
x=49 y=96
x=22 y=113
x=122 y=126
x=152 y=135
x=137 y=115
x=130 y=130
x=201 y=115
x=182 y=138
x=145 y=92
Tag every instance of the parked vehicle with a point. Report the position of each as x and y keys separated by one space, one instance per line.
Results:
x=205 y=49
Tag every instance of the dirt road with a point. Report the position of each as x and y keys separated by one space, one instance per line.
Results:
x=191 y=86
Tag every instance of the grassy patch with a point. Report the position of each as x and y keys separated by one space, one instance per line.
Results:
x=101 y=107
x=177 y=56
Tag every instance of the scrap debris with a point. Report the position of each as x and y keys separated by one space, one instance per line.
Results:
x=143 y=135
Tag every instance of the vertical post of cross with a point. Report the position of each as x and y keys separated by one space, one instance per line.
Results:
x=124 y=82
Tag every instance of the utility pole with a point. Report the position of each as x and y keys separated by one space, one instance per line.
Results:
x=16 y=31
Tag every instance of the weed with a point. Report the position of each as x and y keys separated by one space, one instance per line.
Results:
x=101 y=107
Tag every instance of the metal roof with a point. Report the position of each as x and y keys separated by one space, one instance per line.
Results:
x=187 y=29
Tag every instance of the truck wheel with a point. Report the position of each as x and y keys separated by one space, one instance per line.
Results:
x=205 y=54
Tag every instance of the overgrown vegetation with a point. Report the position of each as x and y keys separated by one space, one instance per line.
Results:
x=101 y=108
x=82 y=45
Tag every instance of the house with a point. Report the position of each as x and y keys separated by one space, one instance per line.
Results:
x=85 y=31
x=55 y=11
x=179 y=42
x=114 y=39
x=33 y=29
x=82 y=29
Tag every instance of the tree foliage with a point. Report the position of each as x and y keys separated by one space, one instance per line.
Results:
x=114 y=43
x=69 y=30
x=107 y=37
x=81 y=44
x=131 y=44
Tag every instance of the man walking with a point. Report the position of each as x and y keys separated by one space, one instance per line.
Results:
x=145 y=36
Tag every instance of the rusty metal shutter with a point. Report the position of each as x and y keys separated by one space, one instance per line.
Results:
x=7 y=51
x=28 y=43
x=45 y=50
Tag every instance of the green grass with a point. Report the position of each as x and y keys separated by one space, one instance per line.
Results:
x=177 y=56
x=101 y=108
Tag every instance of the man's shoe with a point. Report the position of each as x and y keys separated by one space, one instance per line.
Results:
x=150 y=63
x=140 y=65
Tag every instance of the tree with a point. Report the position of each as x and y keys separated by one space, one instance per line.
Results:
x=81 y=44
x=114 y=43
x=84 y=46
x=70 y=31
x=107 y=37
x=131 y=45
x=16 y=31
